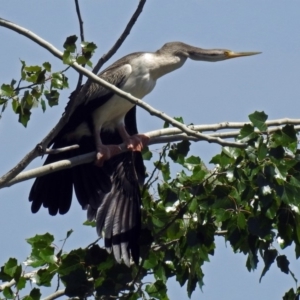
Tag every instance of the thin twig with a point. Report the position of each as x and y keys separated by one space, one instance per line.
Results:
x=163 y=245
x=147 y=183
x=79 y=20
x=79 y=82
x=60 y=150
x=121 y=39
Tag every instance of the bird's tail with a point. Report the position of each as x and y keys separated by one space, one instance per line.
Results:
x=119 y=211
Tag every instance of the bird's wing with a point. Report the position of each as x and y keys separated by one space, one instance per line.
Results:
x=54 y=191
x=111 y=193
x=96 y=96
x=117 y=212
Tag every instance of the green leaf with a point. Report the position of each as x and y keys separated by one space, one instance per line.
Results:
x=33 y=69
x=283 y=263
x=179 y=151
x=164 y=168
x=68 y=58
x=252 y=261
x=159 y=273
x=198 y=174
x=262 y=151
x=69 y=232
x=52 y=97
x=241 y=221
x=41 y=241
x=81 y=60
x=89 y=223
x=259 y=226
x=21 y=283
x=191 y=162
x=269 y=257
x=43 y=105
x=4 y=276
x=77 y=284
x=47 y=66
x=231 y=152
x=247 y=133
x=88 y=46
x=43 y=277
x=290 y=295
x=157 y=290
x=258 y=119
x=72 y=261
x=286 y=137
x=147 y=154
x=89 y=64
x=42 y=250
x=297 y=251
x=3 y=100
x=35 y=294
x=47 y=254
x=11 y=267
x=6 y=90
x=8 y=293
x=179 y=119
x=59 y=81
x=70 y=43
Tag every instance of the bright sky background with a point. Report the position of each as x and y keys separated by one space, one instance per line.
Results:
x=200 y=92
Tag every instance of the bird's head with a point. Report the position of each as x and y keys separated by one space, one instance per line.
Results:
x=183 y=50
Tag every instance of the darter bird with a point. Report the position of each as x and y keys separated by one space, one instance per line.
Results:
x=110 y=188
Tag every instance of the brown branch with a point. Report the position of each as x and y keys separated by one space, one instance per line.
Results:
x=79 y=82
x=79 y=20
x=121 y=39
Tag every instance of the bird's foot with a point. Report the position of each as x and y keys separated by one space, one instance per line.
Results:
x=105 y=152
x=137 y=142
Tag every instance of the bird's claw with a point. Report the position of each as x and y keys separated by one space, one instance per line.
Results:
x=137 y=142
x=105 y=152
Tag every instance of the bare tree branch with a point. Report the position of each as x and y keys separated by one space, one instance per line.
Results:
x=79 y=20
x=154 y=139
x=121 y=39
x=163 y=136
x=223 y=125
x=60 y=150
x=79 y=82
x=11 y=283
x=55 y=295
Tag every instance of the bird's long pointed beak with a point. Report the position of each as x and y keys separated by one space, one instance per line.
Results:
x=240 y=54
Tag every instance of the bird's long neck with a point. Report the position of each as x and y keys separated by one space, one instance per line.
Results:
x=161 y=63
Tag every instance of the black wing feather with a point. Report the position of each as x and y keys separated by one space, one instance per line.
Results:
x=111 y=193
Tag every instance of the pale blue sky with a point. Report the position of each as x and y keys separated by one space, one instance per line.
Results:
x=200 y=92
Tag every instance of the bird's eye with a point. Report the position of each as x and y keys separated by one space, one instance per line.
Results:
x=226 y=53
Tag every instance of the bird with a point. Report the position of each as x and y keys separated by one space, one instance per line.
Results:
x=109 y=188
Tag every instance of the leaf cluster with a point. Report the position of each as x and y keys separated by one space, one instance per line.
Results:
x=39 y=85
x=250 y=198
